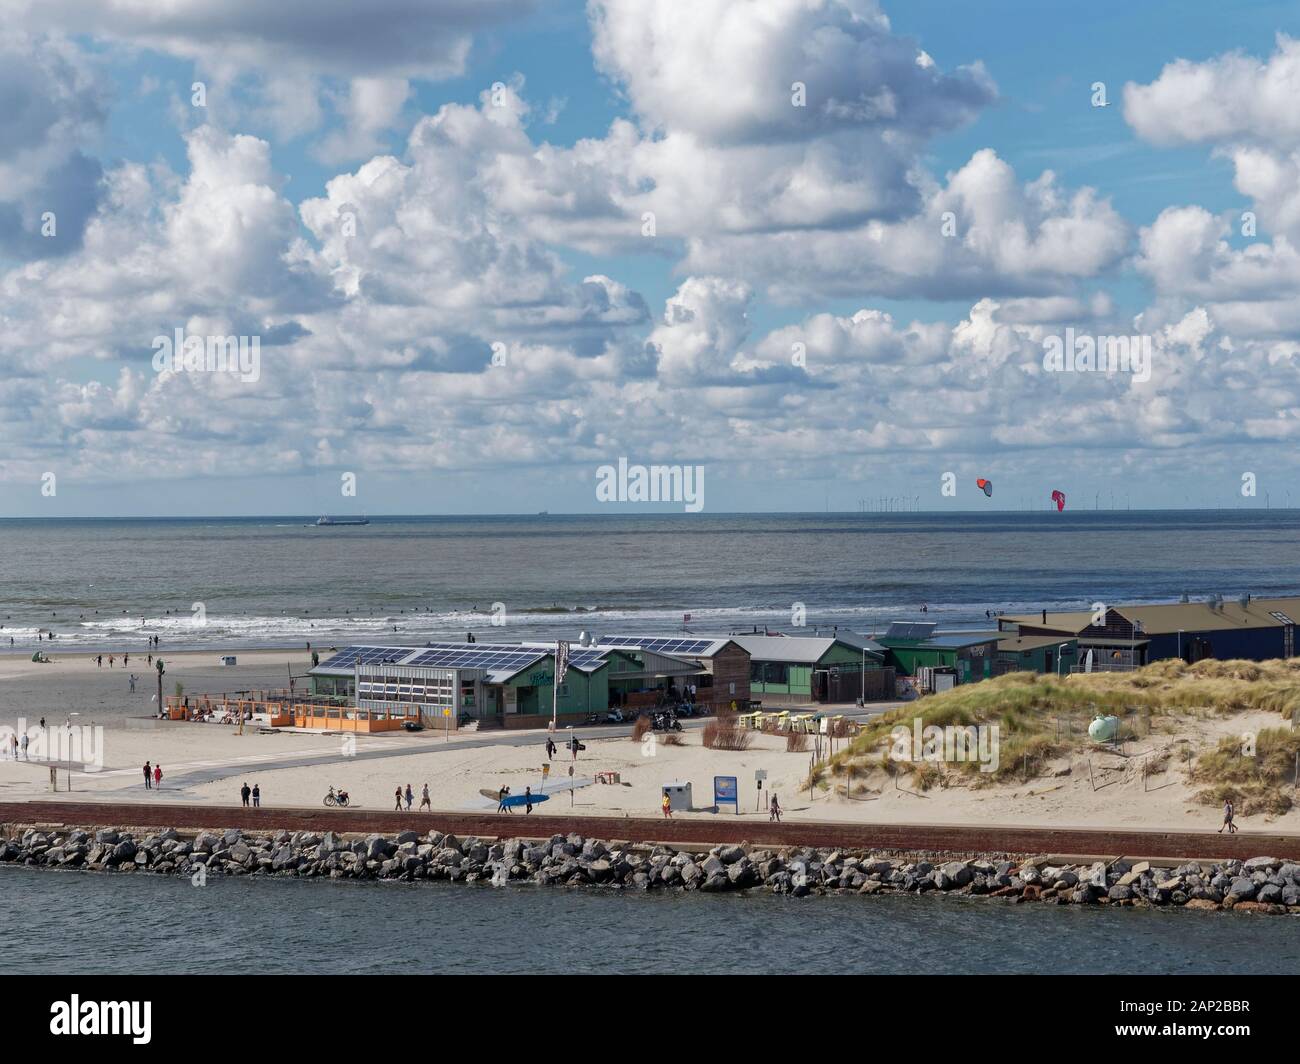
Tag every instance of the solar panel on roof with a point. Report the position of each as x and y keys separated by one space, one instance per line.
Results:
x=469 y=656
x=364 y=655
x=910 y=629
x=661 y=644
x=485 y=656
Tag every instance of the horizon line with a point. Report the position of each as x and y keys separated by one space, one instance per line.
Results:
x=650 y=513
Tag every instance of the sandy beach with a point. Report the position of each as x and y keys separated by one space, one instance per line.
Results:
x=207 y=763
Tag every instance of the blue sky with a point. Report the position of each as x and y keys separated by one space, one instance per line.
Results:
x=773 y=232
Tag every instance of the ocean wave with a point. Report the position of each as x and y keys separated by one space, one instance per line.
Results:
x=284 y=629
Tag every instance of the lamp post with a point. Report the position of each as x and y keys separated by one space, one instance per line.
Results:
x=159 y=666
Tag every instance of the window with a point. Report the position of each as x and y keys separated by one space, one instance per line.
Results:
x=775 y=672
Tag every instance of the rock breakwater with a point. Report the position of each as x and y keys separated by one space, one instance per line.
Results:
x=1260 y=884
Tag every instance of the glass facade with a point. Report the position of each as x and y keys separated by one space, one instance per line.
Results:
x=403 y=690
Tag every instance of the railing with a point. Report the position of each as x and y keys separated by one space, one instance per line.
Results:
x=306 y=711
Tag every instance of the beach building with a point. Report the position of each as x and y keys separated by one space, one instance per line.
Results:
x=443 y=684
x=1124 y=637
x=799 y=669
x=721 y=676
x=914 y=646
x=1035 y=653
x=512 y=685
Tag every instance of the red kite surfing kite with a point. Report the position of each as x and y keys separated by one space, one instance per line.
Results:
x=986 y=486
x=1058 y=497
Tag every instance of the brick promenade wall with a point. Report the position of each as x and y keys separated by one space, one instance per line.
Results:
x=916 y=838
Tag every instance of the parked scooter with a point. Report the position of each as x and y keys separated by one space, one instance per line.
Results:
x=613 y=716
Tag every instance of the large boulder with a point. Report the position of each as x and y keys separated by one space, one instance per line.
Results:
x=123 y=851
x=959 y=872
x=1269 y=893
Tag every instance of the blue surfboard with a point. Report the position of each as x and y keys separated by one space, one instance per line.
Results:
x=514 y=801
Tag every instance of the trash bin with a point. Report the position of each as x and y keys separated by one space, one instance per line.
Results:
x=679 y=796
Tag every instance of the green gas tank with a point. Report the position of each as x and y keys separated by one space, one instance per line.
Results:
x=1103 y=729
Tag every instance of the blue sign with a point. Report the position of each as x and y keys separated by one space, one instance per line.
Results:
x=726 y=790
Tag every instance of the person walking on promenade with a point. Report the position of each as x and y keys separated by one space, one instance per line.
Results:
x=13 y=746
x=244 y=794
x=257 y=796
x=774 y=809
x=574 y=746
x=99 y=661
x=528 y=799
x=1227 y=818
x=425 y=801
x=410 y=797
x=667 y=806
x=23 y=744
x=397 y=799
x=157 y=776
x=550 y=748
x=148 y=776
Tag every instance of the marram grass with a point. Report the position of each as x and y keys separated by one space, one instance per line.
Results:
x=1042 y=718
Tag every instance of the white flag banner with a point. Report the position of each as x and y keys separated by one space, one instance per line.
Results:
x=561 y=661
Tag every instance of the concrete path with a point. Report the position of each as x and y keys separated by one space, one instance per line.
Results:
x=930 y=839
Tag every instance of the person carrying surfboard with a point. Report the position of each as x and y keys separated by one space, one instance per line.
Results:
x=502 y=795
